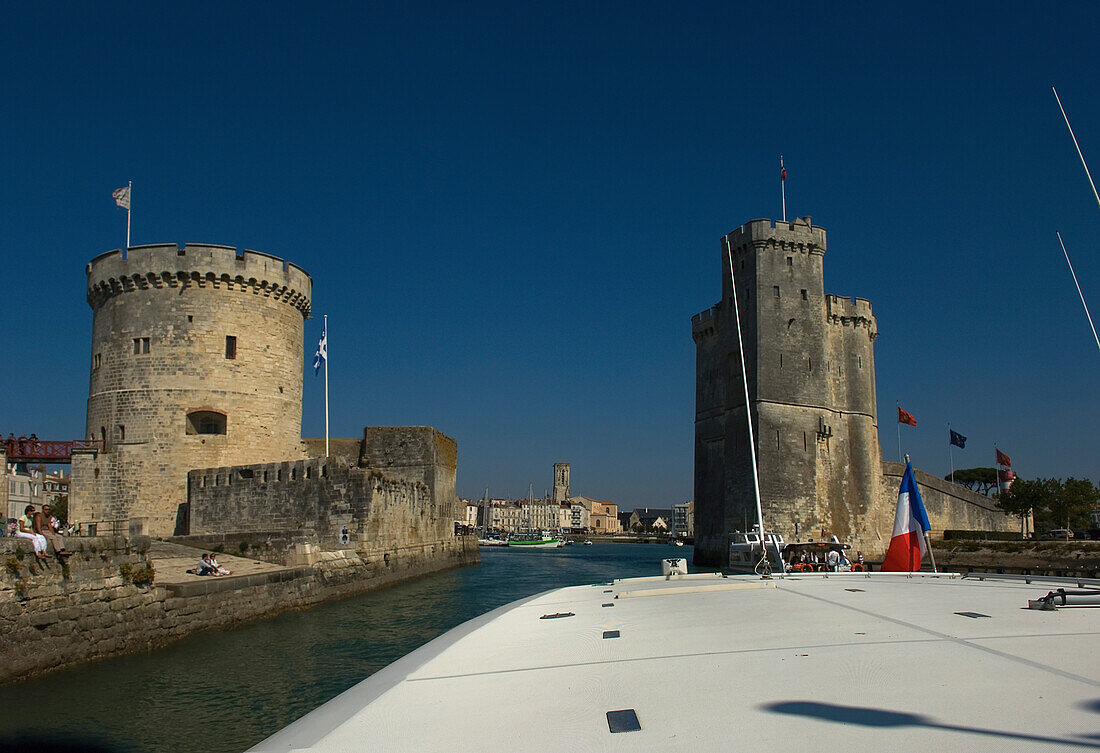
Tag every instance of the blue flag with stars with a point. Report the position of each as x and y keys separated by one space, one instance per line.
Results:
x=958 y=439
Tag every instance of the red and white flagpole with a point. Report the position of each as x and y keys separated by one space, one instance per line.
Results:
x=783 y=185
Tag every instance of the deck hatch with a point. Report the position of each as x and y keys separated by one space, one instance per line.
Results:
x=556 y=616
x=609 y=604
x=971 y=615
x=611 y=634
x=854 y=590
x=625 y=720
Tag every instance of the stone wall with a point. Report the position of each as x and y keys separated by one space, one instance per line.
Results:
x=49 y=620
x=401 y=492
x=949 y=506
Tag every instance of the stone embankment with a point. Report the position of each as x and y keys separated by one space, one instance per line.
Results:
x=102 y=604
x=1074 y=559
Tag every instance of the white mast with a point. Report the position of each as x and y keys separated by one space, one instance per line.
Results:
x=748 y=410
x=1087 y=314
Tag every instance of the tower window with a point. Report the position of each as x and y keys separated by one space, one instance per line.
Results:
x=230 y=346
x=190 y=318
x=141 y=345
x=206 y=422
x=860 y=361
x=120 y=433
x=804 y=295
x=775 y=290
x=96 y=361
x=790 y=261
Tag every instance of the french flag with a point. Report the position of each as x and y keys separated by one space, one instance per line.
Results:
x=907 y=547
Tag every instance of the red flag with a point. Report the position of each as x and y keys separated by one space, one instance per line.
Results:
x=782 y=173
x=906 y=418
x=1003 y=459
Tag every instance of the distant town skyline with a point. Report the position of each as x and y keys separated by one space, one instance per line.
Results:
x=510 y=214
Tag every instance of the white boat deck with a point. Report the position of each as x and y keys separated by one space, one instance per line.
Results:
x=798 y=663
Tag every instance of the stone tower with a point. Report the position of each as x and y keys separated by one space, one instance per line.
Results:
x=809 y=358
x=196 y=362
x=561 y=482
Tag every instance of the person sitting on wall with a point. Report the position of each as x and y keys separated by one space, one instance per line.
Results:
x=46 y=525
x=204 y=567
x=26 y=531
x=218 y=569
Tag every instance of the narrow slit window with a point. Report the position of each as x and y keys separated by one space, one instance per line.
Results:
x=804 y=295
x=230 y=346
x=775 y=290
x=790 y=261
x=141 y=345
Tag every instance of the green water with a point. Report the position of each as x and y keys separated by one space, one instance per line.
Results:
x=225 y=691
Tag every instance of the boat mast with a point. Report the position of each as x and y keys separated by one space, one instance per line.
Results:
x=748 y=411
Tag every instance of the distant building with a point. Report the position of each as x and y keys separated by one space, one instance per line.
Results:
x=580 y=514
x=561 y=482
x=25 y=487
x=651 y=519
x=683 y=518
x=56 y=485
x=604 y=517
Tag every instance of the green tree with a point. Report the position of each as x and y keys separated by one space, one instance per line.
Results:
x=980 y=480
x=59 y=507
x=1074 y=502
x=1025 y=497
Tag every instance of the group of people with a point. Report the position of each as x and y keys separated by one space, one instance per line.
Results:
x=208 y=565
x=42 y=529
x=21 y=446
x=834 y=561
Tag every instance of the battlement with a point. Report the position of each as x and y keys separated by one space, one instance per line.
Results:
x=799 y=233
x=197 y=264
x=854 y=312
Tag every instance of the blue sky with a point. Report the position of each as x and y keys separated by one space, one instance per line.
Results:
x=511 y=212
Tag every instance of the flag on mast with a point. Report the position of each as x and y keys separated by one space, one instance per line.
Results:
x=321 y=356
x=905 y=417
x=908 y=545
x=1003 y=459
x=958 y=439
x=122 y=196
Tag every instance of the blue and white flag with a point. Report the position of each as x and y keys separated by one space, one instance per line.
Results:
x=321 y=356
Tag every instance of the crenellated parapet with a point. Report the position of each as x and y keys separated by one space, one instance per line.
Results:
x=799 y=235
x=201 y=266
x=851 y=312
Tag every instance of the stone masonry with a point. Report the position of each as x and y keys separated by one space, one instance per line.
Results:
x=196 y=362
x=809 y=360
x=401 y=493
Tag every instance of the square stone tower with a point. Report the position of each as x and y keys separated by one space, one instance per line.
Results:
x=809 y=358
x=561 y=482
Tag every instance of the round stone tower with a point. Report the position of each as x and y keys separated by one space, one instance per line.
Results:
x=196 y=363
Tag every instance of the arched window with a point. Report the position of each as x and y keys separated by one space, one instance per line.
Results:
x=206 y=422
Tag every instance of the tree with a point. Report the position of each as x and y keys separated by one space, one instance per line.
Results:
x=1074 y=502
x=59 y=507
x=980 y=480
x=1055 y=503
x=1025 y=497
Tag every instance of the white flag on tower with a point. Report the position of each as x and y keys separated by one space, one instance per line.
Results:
x=122 y=196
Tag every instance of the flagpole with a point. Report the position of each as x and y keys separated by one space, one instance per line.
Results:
x=897 y=420
x=130 y=196
x=783 y=186
x=950 y=453
x=326 y=385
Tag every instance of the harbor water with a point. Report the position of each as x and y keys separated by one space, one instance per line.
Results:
x=222 y=692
